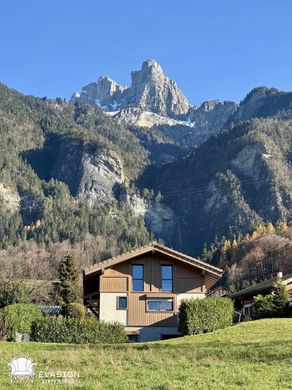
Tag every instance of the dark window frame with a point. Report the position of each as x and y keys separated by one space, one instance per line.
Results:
x=118 y=301
x=139 y=279
x=166 y=279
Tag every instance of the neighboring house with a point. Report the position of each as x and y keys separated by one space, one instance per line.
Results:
x=244 y=299
x=219 y=291
x=143 y=289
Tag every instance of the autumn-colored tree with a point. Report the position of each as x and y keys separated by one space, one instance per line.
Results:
x=254 y=235
x=270 y=228
x=234 y=246
x=261 y=230
x=283 y=227
x=225 y=254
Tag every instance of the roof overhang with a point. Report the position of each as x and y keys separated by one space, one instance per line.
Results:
x=154 y=248
x=264 y=287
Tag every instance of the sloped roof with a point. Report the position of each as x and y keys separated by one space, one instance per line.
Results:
x=154 y=246
x=261 y=287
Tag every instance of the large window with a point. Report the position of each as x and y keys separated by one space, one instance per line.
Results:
x=166 y=277
x=138 y=277
x=160 y=304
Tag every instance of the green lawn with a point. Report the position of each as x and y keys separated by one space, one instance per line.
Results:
x=252 y=355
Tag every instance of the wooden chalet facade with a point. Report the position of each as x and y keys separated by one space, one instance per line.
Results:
x=143 y=288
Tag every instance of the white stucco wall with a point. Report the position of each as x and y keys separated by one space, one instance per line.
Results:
x=108 y=308
x=189 y=296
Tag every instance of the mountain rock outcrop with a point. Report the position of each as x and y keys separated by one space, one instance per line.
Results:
x=211 y=116
x=89 y=171
x=155 y=101
x=104 y=93
x=150 y=90
x=159 y=218
x=263 y=102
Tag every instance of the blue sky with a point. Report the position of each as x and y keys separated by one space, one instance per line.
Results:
x=212 y=48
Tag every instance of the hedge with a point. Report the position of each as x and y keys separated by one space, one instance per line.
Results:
x=71 y=330
x=204 y=315
x=18 y=318
x=74 y=310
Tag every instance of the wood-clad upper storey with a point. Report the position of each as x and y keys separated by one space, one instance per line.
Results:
x=186 y=278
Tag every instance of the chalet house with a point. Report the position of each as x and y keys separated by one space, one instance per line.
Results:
x=142 y=289
x=218 y=292
x=244 y=299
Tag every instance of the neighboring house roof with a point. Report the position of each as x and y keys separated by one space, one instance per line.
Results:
x=261 y=287
x=154 y=246
x=219 y=290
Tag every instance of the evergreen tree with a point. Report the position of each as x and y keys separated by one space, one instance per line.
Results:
x=68 y=276
x=280 y=299
x=275 y=304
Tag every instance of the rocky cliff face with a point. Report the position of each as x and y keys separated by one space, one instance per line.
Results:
x=150 y=90
x=104 y=93
x=211 y=116
x=159 y=218
x=90 y=171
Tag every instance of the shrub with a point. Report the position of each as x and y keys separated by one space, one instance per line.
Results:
x=12 y=291
x=275 y=304
x=204 y=315
x=71 y=330
x=18 y=318
x=74 y=310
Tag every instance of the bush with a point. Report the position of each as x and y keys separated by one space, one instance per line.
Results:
x=204 y=315
x=275 y=304
x=12 y=291
x=18 y=318
x=71 y=330
x=74 y=310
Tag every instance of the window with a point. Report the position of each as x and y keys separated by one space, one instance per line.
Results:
x=122 y=303
x=138 y=277
x=160 y=304
x=166 y=277
x=133 y=338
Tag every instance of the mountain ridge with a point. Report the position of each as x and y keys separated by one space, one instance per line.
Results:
x=154 y=101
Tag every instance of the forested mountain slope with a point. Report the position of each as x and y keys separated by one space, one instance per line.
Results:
x=157 y=167
x=56 y=175
x=234 y=181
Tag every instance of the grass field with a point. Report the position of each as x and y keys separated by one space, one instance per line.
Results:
x=252 y=355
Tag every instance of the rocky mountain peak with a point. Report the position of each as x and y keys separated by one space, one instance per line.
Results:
x=150 y=90
x=151 y=67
